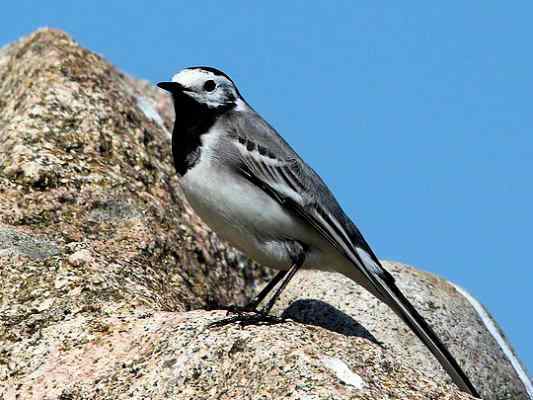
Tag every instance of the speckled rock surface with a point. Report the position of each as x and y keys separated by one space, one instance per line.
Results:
x=101 y=262
x=334 y=302
x=164 y=355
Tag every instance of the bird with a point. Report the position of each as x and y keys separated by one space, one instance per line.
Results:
x=248 y=185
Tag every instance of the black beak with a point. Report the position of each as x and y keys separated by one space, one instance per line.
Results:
x=171 y=87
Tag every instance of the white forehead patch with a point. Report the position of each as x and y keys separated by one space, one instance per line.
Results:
x=191 y=77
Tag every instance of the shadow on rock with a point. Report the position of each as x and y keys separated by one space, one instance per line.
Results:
x=319 y=313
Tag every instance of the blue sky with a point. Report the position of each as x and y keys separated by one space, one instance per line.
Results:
x=417 y=115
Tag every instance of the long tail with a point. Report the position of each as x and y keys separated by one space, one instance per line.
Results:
x=370 y=273
x=392 y=296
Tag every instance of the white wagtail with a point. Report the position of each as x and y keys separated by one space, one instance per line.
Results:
x=251 y=187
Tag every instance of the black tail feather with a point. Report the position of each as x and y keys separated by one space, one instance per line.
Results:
x=405 y=310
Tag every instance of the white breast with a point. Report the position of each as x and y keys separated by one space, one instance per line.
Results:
x=238 y=211
x=247 y=217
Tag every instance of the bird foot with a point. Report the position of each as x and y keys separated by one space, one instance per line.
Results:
x=249 y=317
x=233 y=308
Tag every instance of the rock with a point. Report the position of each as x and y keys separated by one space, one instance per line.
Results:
x=81 y=257
x=163 y=355
x=102 y=261
x=14 y=243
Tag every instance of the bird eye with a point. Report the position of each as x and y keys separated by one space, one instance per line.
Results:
x=210 y=85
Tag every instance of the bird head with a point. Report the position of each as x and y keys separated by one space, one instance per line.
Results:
x=204 y=85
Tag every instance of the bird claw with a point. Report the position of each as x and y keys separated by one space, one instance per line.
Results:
x=253 y=317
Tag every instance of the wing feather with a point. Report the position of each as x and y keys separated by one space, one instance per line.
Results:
x=282 y=179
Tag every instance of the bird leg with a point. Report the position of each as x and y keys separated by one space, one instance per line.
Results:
x=251 y=306
x=292 y=271
x=262 y=316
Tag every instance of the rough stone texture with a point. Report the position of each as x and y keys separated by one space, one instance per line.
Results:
x=164 y=355
x=101 y=261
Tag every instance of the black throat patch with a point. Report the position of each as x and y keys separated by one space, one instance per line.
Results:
x=193 y=119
